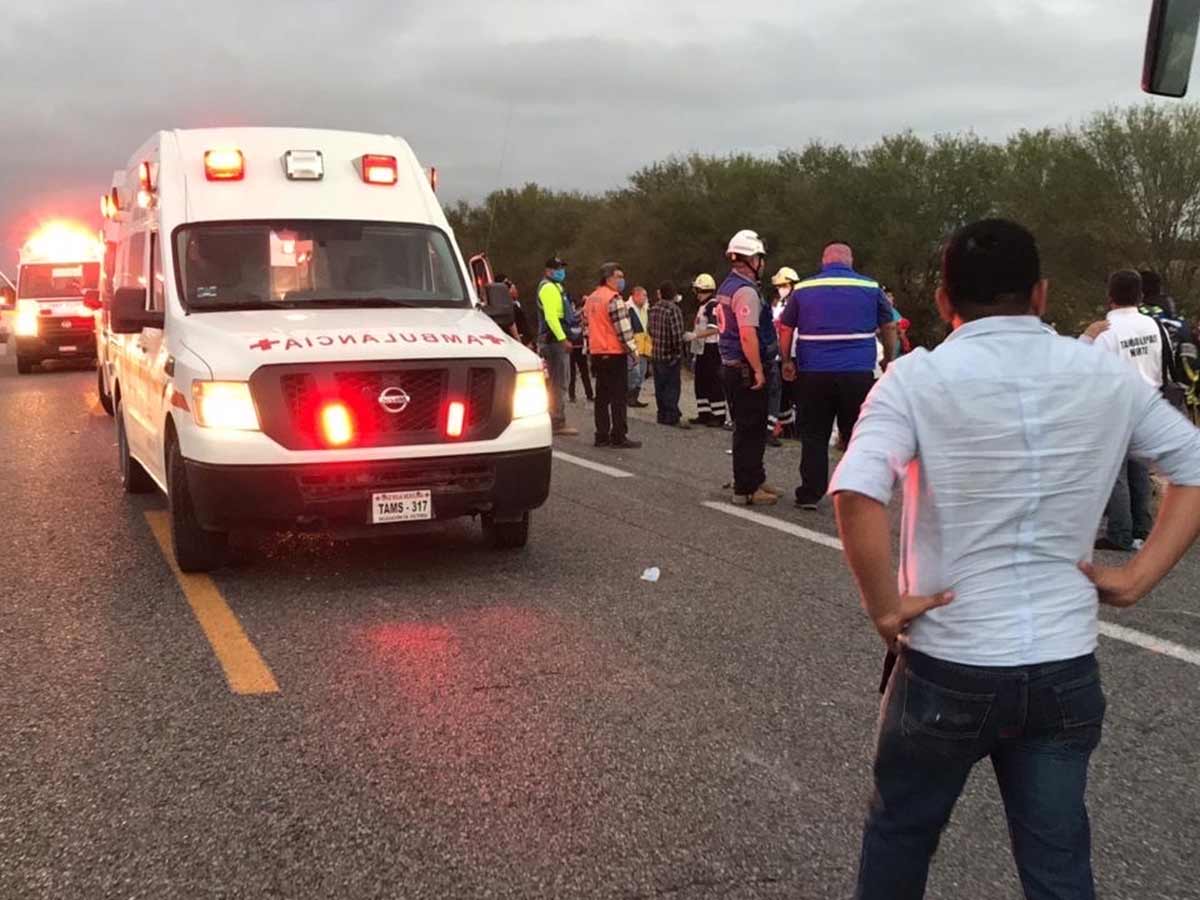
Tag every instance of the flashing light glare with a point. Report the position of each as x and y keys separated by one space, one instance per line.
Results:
x=26 y=324
x=529 y=395
x=224 y=165
x=64 y=242
x=337 y=425
x=105 y=208
x=225 y=405
x=288 y=247
x=144 y=177
x=456 y=418
x=144 y=199
x=379 y=169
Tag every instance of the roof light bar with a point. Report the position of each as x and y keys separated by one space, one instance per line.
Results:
x=304 y=165
x=379 y=169
x=224 y=165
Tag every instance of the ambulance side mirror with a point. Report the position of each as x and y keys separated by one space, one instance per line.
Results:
x=8 y=297
x=498 y=304
x=91 y=299
x=1170 y=46
x=129 y=313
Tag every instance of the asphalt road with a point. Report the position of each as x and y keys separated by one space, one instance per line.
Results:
x=450 y=722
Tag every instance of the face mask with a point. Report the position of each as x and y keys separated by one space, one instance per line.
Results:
x=784 y=290
x=558 y=275
x=620 y=285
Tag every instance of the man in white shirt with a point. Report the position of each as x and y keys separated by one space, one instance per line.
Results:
x=1006 y=463
x=1139 y=340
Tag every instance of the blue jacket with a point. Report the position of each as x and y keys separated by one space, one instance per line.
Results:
x=836 y=314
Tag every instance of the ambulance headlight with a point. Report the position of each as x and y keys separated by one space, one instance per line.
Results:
x=27 y=319
x=529 y=396
x=224 y=404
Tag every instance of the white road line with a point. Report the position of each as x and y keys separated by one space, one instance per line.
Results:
x=1149 y=642
x=778 y=524
x=1109 y=630
x=594 y=466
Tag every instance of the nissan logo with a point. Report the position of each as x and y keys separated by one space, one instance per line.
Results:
x=394 y=400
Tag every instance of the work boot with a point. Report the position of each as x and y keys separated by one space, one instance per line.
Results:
x=626 y=444
x=758 y=498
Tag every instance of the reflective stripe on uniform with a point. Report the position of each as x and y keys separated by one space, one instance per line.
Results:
x=838 y=282
x=836 y=337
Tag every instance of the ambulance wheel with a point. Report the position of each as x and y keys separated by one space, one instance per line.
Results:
x=133 y=477
x=506 y=535
x=106 y=400
x=24 y=365
x=196 y=549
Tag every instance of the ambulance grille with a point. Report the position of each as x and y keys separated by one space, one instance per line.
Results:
x=290 y=397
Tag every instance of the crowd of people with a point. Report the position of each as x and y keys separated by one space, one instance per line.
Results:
x=795 y=360
x=990 y=624
x=839 y=330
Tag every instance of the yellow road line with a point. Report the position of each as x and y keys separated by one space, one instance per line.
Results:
x=244 y=667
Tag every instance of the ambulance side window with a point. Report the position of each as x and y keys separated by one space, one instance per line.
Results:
x=158 y=301
x=135 y=261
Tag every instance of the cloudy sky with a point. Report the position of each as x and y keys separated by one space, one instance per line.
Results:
x=585 y=91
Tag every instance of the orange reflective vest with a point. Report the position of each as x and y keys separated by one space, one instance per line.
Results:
x=603 y=339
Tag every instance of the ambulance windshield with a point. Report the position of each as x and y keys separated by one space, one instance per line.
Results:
x=57 y=281
x=302 y=264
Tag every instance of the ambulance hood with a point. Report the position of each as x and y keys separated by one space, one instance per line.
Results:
x=235 y=343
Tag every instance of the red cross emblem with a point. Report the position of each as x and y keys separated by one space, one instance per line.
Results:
x=264 y=344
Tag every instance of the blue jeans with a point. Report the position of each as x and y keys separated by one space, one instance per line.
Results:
x=666 y=391
x=637 y=375
x=1129 y=506
x=1038 y=724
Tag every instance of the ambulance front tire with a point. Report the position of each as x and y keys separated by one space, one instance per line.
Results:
x=106 y=400
x=196 y=549
x=133 y=477
x=511 y=535
x=24 y=364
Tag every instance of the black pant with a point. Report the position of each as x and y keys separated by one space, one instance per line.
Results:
x=749 y=409
x=612 y=392
x=710 y=392
x=579 y=363
x=824 y=397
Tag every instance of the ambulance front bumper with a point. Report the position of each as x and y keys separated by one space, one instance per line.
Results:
x=338 y=497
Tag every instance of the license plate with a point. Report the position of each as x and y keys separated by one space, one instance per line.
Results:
x=401 y=506
x=68 y=349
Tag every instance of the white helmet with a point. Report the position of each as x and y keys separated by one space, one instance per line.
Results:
x=705 y=282
x=746 y=243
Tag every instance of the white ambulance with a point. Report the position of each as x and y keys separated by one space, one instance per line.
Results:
x=58 y=274
x=300 y=346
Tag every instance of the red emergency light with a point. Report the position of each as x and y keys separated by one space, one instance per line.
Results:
x=224 y=165
x=456 y=418
x=379 y=169
x=337 y=424
x=144 y=182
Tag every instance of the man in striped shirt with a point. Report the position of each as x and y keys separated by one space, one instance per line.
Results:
x=835 y=317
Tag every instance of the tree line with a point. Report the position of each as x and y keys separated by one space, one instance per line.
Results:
x=1120 y=190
